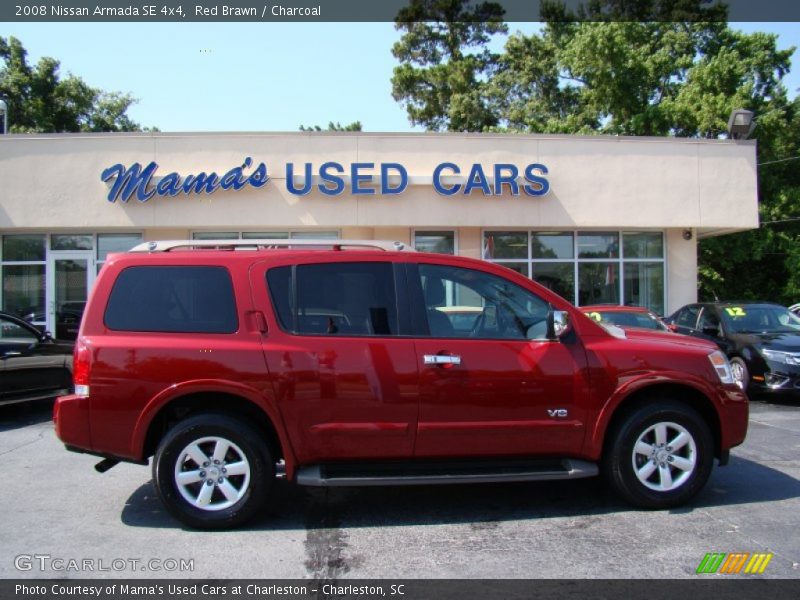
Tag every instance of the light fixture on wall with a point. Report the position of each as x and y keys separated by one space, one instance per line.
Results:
x=741 y=124
x=4 y=115
x=687 y=234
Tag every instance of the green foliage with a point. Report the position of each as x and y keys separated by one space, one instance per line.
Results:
x=40 y=100
x=442 y=80
x=354 y=126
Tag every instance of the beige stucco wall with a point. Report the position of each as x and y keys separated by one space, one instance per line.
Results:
x=53 y=181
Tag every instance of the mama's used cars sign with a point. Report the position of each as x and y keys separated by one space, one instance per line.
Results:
x=329 y=178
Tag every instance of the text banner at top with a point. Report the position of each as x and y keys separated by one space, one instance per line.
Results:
x=388 y=10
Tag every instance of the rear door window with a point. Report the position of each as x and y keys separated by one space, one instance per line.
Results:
x=335 y=298
x=173 y=299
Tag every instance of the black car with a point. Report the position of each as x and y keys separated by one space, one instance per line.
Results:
x=33 y=365
x=761 y=339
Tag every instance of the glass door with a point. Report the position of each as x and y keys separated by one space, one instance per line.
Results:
x=70 y=277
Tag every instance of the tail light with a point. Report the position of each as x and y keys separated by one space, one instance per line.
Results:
x=81 y=368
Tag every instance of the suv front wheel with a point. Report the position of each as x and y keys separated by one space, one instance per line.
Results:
x=659 y=455
x=213 y=471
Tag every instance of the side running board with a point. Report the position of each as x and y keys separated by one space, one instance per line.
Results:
x=429 y=473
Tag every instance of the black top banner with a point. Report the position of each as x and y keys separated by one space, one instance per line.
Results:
x=390 y=10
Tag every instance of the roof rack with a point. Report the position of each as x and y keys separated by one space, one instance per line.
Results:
x=269 y=244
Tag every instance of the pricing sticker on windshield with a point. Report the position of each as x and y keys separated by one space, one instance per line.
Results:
x=595 y=315
x=735 y=311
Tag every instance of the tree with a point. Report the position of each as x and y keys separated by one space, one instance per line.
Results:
x=763 y=263
x=354 y=126
x=640 y=67
x=40 y=100
x=636 y=78
x=442 y=80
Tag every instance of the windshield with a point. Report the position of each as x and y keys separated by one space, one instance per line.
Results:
x=754 y=318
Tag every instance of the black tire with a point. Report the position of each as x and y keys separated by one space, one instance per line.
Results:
x=667 y=486
x=233 y=499
x=741 y=376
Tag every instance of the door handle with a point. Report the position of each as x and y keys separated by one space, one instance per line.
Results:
x=441 y=359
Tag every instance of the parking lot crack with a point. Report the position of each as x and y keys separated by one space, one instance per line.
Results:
x=38 y=438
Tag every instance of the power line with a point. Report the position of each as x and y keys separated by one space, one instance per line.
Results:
x=772 y=162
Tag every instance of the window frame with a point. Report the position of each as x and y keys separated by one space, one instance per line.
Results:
x=237 y=324
x=419 y=316
x=621 y=260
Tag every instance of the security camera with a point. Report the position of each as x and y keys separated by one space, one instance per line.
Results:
x=687 y=234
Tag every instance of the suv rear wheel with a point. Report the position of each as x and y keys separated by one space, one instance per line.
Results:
x=660 y=455
x=213 y=471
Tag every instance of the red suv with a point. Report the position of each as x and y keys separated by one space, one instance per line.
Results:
x=361 y=363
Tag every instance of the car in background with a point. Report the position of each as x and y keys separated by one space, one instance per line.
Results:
x=68 y=319
x=761 y=339
x=33 y=365
x=795 y=308
x=625 y=316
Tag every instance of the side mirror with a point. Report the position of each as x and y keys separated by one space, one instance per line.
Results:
x=558 y=324
x=712 y=331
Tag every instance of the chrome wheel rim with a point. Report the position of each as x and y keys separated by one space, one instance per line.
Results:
x=212 y=473
x=737 y=371
x=664 y=456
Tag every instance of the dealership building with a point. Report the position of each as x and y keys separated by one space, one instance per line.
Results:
x=599 y=219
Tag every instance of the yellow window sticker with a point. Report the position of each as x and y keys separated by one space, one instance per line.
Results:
x=735 y=311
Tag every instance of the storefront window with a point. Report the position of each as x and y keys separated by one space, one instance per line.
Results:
x=440 y=242
x=72 y=242
x=598 y=283
x=23 y=247
x=499 y=245
x=598 y=245
x=314 y=235
x=215 y=235
x=265 y=235
x=116 y=242
x=556 y=276
x=586 y=266
x=643 y=245
x=546 y=244
x=24 y=291
x=644 y=285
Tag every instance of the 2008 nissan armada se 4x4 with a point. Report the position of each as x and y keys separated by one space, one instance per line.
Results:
x=363 y=363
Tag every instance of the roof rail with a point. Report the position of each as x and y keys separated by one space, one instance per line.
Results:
x=267 y=244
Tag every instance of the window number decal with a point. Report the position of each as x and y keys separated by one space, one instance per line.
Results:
x=735 y=311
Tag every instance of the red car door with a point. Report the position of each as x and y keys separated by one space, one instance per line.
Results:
x=345 y=381
x=492 y=384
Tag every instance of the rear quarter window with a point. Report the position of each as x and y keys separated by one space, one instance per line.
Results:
x=172 y=299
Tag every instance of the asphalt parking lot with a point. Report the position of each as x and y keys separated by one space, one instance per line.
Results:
x=58 y=513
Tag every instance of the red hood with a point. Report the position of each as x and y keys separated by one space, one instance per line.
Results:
x=668 y=336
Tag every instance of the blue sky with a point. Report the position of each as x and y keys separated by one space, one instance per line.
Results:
x=253 y=77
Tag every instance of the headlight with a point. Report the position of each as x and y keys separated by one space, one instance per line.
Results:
x=721 y=365
x=787 y=358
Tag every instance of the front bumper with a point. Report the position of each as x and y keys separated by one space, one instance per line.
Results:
x=776 y=379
